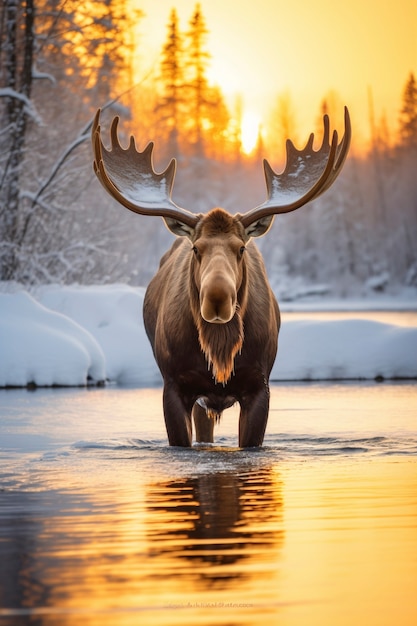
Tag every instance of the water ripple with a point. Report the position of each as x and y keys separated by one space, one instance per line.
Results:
x=281 y=446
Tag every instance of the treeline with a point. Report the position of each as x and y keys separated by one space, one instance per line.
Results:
x=59 y=61
x=191 y=113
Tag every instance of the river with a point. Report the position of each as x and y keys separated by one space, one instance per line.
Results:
x=102 y=523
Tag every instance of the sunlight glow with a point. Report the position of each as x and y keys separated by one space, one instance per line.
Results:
x=285 y=48
x=251 y=124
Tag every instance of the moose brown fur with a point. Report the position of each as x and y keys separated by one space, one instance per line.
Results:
x=208 y=365
x=209 y=312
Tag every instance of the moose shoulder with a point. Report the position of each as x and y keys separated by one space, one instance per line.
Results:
x=209 y=312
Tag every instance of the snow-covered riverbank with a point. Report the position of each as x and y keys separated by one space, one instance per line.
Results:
x=71 y=335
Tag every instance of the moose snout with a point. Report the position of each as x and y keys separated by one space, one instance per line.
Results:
x=217 y=300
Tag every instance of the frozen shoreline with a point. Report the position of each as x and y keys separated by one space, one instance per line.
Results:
x=77 y=335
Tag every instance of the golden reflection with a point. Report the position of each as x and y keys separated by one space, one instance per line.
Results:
x=185 y=546
x=214 y=530
x=351 y=542
x=303 y=542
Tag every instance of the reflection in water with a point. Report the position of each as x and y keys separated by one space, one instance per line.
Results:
x=317 y=528
x=69 y=556
x=215 y=525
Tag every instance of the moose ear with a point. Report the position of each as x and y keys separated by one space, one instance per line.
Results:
x=179 y=228
x=259 y=227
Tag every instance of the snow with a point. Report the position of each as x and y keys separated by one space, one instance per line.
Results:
x=76 y=335
x=347 y=349
x=113 y=316
x=43 y=347
x=8 y=92
x=147 y=192
x=38 y=75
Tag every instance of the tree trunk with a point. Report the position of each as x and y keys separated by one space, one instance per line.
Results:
x=18 y=72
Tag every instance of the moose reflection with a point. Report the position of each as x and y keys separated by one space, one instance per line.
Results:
x=216 y=524
x=91 y=556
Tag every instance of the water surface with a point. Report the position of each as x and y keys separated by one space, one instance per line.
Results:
x=397 y=318
x=102 y=523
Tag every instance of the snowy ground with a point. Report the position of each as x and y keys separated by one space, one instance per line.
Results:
x=71 y=335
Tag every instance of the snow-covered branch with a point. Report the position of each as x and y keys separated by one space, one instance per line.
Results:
x=37 y=75
x=82 y=137
x=30 y=110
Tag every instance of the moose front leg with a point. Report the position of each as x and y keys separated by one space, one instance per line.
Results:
x=254 y=409
x=177 y=417
x=204 y=425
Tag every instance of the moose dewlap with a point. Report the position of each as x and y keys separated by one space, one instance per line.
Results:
x=209 y=312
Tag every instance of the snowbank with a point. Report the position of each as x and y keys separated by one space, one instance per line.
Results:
x=42 y=347
x=112 y=314
x=348 y=349
x=72 y=335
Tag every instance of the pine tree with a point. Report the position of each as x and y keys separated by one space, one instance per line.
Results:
x=172 y=75
x=408 y=114
x=197 y=84
x=191 y=112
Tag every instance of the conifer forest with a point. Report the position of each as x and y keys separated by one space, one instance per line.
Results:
x=60 y=61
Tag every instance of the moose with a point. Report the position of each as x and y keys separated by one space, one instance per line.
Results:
x=209 y=312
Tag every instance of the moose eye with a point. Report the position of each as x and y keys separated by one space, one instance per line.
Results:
x=242 y=250
x=195 y=250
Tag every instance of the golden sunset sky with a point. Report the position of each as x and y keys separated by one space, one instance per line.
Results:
x=307 y=48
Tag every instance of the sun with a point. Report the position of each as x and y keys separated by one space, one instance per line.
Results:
x=250 y=130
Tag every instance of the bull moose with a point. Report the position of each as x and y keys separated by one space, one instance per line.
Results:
x=209 y=312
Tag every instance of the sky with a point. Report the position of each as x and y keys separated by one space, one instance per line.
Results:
x=362 y=49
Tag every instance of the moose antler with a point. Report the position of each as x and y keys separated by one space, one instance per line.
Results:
x=307 y=174
x=128 y=176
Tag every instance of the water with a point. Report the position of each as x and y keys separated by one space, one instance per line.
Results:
x=397 y=318
x=102 y=523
